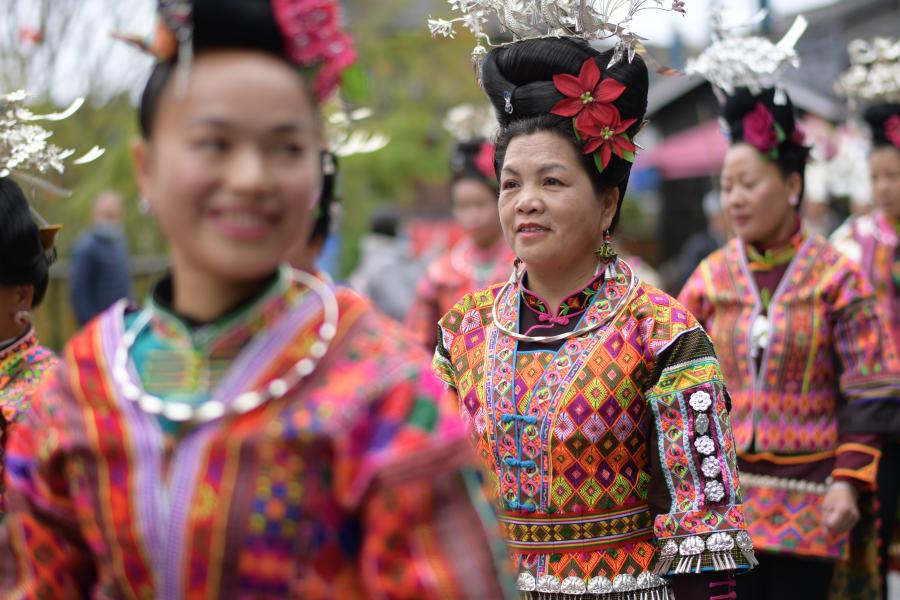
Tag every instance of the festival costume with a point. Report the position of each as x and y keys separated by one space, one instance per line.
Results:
x=339 y=488
x=873 y=79
x=610 y=453
x=22 y=365
x=462 y=270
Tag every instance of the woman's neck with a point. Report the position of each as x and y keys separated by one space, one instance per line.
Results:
x=12 y=334
x=203 y=297
x=554 y=285
x=782 y=236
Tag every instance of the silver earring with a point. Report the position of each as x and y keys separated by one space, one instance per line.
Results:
x=794 y=200
x=22 y=317
x=144 y=206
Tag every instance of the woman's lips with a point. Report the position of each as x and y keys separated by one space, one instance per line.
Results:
x=243 y=224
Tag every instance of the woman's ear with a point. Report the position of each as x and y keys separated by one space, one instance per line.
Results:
x=609 y=201
x=794 y=183
x=24 y=297
x=140 y=158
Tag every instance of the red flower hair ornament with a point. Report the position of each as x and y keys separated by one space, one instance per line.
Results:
x=484 y=161
x=598 y=124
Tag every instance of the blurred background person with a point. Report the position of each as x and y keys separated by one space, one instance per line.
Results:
x=387 y=272
x=704 y=242
x=873 y=241
x=100 y=273
x=482 y=256
x=801 y=345
x=27 y=252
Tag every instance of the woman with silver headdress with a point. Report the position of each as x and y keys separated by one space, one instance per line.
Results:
x=873 y=241
x=594 y=399
x=796 y=328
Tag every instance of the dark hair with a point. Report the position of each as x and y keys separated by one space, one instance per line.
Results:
x=792 y=153
x=464 y=162
x=384 y=221
x=518 y=79
x=217 y=25
x=876 y=117
x=322 y=224
x=24 y=260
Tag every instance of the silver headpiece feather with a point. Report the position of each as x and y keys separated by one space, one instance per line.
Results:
x=345 y=139
x=24 y=147
x=737 y=59
x=874 y=73
x=527 y=19
x=469 y=123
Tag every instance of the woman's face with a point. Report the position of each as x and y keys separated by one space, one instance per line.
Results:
x=475 y=210
x=232 y=170
x=551 y=215
x=757 y=199
x=884 y=165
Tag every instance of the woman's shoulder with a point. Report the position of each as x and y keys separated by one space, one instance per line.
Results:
x=472 y=310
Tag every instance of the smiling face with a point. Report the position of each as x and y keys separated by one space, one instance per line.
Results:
x=756 y=197
x=475 y=210
x=551 y=215
x=232 y=168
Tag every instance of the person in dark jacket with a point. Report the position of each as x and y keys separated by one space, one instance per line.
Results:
x=100 y=262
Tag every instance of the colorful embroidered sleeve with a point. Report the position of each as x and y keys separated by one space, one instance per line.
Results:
x=422 y=318
x=695 y=294
x=465 y=317
x=869 y=379
x=49 y=557
x=702 y=528
x=428 y=533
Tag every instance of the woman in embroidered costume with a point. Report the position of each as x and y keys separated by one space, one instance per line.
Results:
x=252 y=431
x=802 y=349
x=599 y=413
x=480 y=258
x=24 y=275
x=872 y=242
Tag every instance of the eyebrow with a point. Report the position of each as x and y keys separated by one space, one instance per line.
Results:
x=543 y=168
x=219 y=123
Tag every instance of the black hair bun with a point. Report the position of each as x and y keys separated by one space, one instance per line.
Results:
x=246 y=24
x=474 y=159
x=752 y=119
x=24 y=260
x=518 y=78
x=877 y=117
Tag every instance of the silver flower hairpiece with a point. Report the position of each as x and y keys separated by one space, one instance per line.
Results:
x=344 y=140
x=874 y=73
x=736 y=59
x=24 y=146
x=469 y=123
x=526 y=19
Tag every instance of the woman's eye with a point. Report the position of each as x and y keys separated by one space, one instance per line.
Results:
x=291 y=149
x=508 y=185
x=212 y=144
x=552 y=181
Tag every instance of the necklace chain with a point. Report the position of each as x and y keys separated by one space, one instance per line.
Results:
x=516 y=279
x=182 y=412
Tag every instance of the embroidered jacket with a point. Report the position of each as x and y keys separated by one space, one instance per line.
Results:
x=611 y=457
x=872 y=242
x=824 y=360
x=448 y=279
x=354 y=484
x=22 y=365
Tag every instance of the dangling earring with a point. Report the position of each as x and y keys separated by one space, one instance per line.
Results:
x=144 y=206
x=21 y=317
x=606 y=253
x=794 y=201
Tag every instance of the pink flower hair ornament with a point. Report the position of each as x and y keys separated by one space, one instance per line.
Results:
x=761 y=131
x=892 y=130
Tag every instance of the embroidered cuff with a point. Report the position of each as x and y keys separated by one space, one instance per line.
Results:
x=719 y=551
